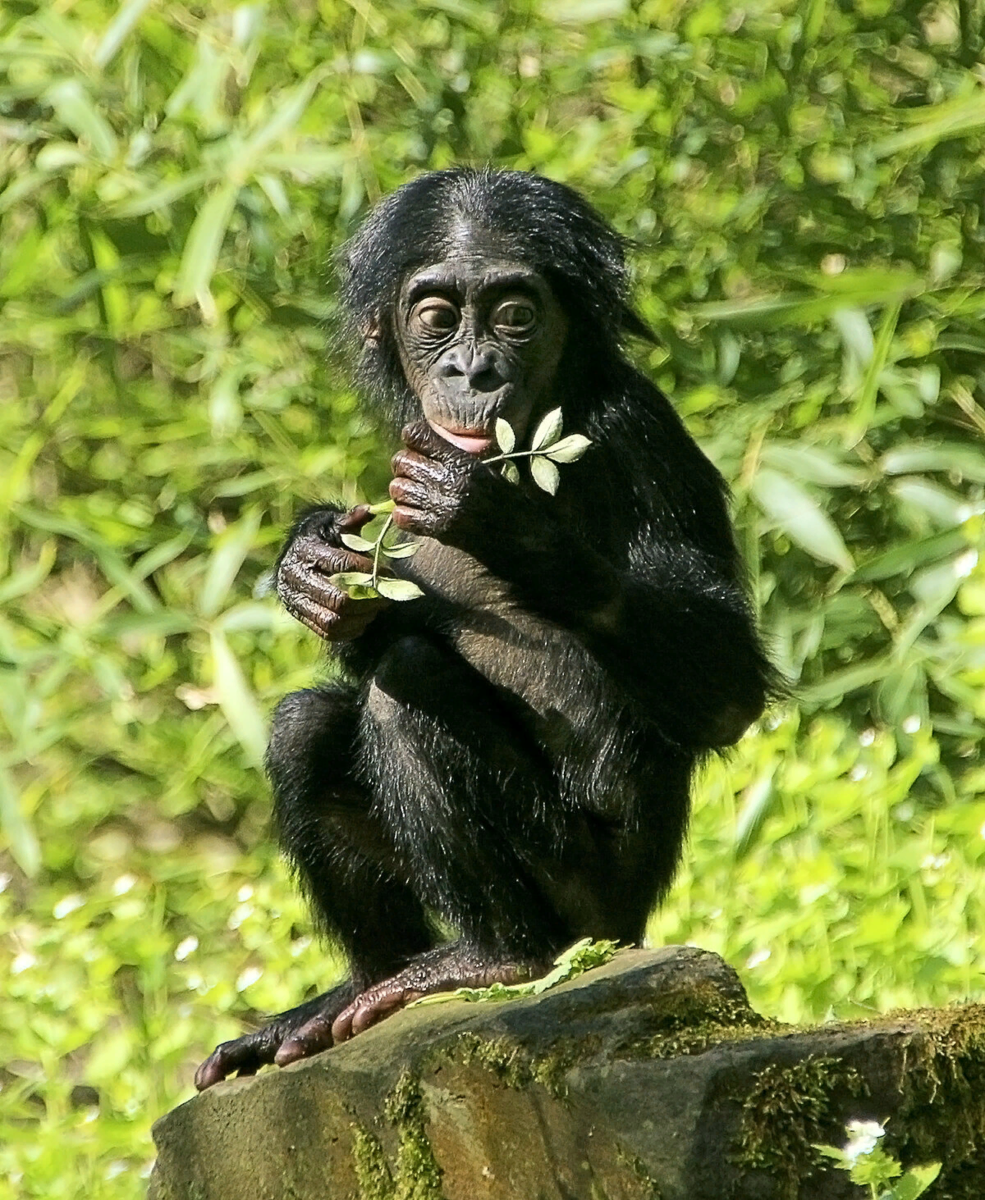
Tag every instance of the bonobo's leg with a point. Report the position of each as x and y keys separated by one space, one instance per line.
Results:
x=344 y=859
x=463 y=792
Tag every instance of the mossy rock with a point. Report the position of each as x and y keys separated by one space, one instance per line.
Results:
x=650 y=1077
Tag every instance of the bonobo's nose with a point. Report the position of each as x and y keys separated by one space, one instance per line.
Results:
x=479 y=367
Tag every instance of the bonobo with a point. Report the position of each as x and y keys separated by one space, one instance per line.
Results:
x=510 y=753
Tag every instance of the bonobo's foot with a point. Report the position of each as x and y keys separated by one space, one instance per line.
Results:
x=294 y=1034
x=439 y=970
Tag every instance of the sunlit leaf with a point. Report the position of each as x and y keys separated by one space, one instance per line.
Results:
x=20 y=835
x=511 y=472
x=201 y=252
x=355 y=542
x=237 y=701
x=402 y=549
x=545 y=473
x=569 y=449
x=548 y=431
x=344 y=579
x=505 y=437
x=231 y=550
x=801 y=518
x=398 y=589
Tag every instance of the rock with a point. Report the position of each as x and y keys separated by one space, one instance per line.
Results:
x=650 y=1077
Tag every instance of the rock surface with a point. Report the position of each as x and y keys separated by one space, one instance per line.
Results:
x=650 y=1077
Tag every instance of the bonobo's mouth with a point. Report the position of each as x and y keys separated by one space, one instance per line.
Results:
x=472 y=441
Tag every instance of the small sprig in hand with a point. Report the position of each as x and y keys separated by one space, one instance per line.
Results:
x=547 y=448
x=368 y=585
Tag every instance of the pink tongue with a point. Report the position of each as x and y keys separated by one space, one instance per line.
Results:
x=471 y=443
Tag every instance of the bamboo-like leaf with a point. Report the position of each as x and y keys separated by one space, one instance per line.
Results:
x=398 y=589
x=225 y=562
x=116 y=33
x=236 y=700
x=545 y=473
x=402 y=549
x=505 y=437
x=548 y=431
x=511 y=472
x=21 y=838
x=360 y=544
x=203 y=244
x=74 y=106
x=569 y=449
x=801 y=518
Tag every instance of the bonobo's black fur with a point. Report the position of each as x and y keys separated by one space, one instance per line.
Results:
x=512 y=752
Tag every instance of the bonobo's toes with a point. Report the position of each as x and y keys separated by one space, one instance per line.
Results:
x=371 y=1007
x=312 y=1037
x=240 y=1055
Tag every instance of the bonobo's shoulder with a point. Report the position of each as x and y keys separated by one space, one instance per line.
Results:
x=638 y=422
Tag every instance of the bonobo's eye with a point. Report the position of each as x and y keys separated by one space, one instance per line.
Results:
x=435 y=315
x=514 y=316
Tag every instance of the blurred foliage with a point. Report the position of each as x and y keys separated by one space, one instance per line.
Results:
x=803 y=183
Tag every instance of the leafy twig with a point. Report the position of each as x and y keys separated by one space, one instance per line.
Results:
x=547 y=448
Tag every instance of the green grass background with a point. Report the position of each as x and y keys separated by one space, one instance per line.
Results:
x=804 y=186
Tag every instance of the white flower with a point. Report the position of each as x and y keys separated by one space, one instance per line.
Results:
x=863 y=1137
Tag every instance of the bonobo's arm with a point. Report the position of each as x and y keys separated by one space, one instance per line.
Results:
x=674 y=630
x=312 y=553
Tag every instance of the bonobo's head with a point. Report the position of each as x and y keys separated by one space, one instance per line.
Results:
x=476 y=294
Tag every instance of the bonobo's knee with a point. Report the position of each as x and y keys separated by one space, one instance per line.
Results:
x=308 y=726
x=414 y=668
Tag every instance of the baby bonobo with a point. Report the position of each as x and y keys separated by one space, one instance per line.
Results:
x=512 y=751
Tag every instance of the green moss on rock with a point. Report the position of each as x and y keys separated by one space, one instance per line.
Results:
x=790 y=1109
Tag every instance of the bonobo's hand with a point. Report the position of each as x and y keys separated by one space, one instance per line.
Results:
x=443 y=492
x=314 y=552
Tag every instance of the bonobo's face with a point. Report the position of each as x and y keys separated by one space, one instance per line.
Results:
x=479 y=338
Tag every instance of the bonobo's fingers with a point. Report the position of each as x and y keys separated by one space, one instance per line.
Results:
x=434 y=486
x=353 y=520
x=313 y=555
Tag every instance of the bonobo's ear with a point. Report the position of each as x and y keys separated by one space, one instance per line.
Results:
x=371 y=329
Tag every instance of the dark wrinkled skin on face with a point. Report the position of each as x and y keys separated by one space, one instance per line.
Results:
x=512 y=751
x=479 y=340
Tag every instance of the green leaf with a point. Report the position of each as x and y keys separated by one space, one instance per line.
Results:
x=224 y=564
x=505 y=437
x=545 y=473
x=21 y=837
x=812 y=464
x=915 y=1182
x=237 y=701
x=954 y=457
x=402 y=549
x=398 y=589
x=347 y=579
x=569 y=449
x=75 y=108
x=511 y=472
x=360 y=544
x=756 y=803
x=384 y=506
x=203 y=244
x=801 y=518
x=548 y=431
